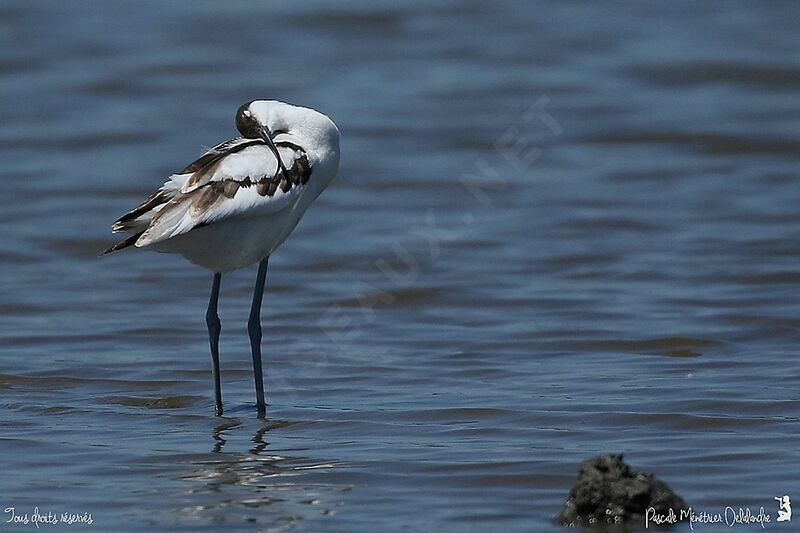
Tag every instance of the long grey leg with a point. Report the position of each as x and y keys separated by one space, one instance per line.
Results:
x=254 y=329
x=214 y=327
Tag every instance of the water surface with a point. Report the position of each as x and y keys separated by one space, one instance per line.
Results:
x=559 y=230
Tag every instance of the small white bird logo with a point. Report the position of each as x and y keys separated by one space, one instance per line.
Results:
x=784 y=508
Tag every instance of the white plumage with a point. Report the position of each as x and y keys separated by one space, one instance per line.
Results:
x=193 y=215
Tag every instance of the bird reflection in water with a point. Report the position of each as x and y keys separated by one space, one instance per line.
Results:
x=257 y=440
x=279 y=487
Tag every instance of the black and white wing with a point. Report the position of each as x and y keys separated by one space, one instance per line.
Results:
x=239 y=177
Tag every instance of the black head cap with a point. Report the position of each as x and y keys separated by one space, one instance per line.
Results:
x=246 y=123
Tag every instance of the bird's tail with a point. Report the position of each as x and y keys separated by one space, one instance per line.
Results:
x=130 y=241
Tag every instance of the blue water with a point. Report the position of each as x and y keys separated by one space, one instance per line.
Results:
x=559 y=229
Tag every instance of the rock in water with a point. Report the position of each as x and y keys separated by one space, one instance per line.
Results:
x=609 y=492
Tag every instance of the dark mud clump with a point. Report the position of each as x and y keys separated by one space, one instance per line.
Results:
x=610 y=495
